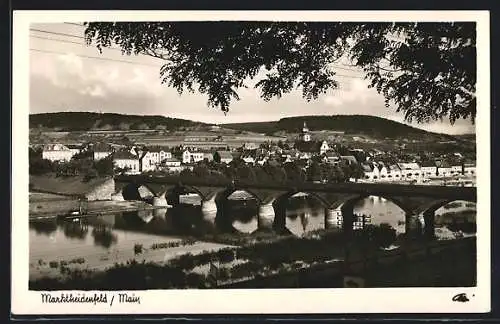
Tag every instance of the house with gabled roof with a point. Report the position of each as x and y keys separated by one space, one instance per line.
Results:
x=101 y=151
x=368 y=170
x=57 y=152
x=469 y=168
x=428 y=169
x=410 y=171
x=443 y=168
x=331 y=157
x=223 y=157
x=125 y=160
x=394 y=173
x=349 y=159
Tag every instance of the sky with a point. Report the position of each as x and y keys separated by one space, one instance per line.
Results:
x=67 y=75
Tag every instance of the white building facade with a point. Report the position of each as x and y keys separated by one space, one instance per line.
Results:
x=57 y=152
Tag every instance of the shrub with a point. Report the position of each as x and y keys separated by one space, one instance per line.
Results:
x=54 y=264
x=225 y=255
x=138 y=249
x=77 y=260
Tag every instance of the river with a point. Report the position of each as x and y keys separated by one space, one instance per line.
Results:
x=104 y=239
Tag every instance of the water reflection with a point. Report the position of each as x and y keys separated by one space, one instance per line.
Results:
x=307 y=215
x=75 y=229
x=455 y=217
x=104 y=236
x=44 y=226
x=379 y=211
x=303 y=214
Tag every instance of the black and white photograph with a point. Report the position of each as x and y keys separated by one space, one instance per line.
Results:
x=212 y=158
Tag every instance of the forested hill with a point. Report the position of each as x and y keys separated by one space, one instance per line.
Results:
x=350 y=124
x=84 y=121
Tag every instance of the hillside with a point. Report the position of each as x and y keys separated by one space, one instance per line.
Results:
x=85 y=121
x=350 y=124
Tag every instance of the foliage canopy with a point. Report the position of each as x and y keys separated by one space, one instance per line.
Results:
x=427 y=70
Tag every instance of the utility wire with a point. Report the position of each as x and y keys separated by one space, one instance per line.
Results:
x=145 y=64
x=68 y=41
x=55 y=33
x=341 y=67
x=92 y=57
x=58 y=40
x=336 y=66
x=74 y=24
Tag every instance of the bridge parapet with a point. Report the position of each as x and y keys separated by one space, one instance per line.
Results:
x=451 y=193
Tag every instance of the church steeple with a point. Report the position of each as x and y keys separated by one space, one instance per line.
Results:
x=305 y=129
x=306 y=137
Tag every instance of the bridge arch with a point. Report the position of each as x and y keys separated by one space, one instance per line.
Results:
x=131 y=191
x=435 y=206
x=184 y=189
x=347 y=209
x=283 y=198
x=429 y=216
x=224 y=194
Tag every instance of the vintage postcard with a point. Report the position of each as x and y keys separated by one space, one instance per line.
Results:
x=202 y=162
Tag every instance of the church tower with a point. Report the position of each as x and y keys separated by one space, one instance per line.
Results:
x=306 y=137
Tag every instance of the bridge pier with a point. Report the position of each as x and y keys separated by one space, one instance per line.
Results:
x=118 y=196
x=347 y=211
x=429 y=226
x=160 y=201
x=333 y=218
x=413 y=227
x=209 y=210
x=265 y=217
x=279 y=223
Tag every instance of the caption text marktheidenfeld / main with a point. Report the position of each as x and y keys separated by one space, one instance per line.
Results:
x=95 y=298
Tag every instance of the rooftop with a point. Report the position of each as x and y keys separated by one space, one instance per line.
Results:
x=124 y=155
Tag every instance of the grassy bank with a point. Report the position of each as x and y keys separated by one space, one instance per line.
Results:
x=66 y=186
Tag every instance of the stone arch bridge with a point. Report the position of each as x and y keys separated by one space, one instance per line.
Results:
x=415 y=200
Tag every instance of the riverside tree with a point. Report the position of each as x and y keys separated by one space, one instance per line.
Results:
x=426 y=70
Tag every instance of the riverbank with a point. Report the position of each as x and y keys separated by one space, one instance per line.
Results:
x=49 y=206
x=65 y=186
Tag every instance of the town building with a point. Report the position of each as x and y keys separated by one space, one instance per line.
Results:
x=126 y=161
x=101 y=151
x=349 y=159
x=367 y=170
x=324 y=147
x=456 y=169
x=332 y=157
x=250 y=146
x=171 y=162
x=192 y=156
x=409 y=171
x=57 y=153
x=470 y=169
x=444 y=169
x=394 y=173
x=428 y=169
x=208 y=156
x=75 y=148
x=158 y=154
x=223 y=157
x=248 y=157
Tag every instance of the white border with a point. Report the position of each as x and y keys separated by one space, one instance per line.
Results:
x=373 y=300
